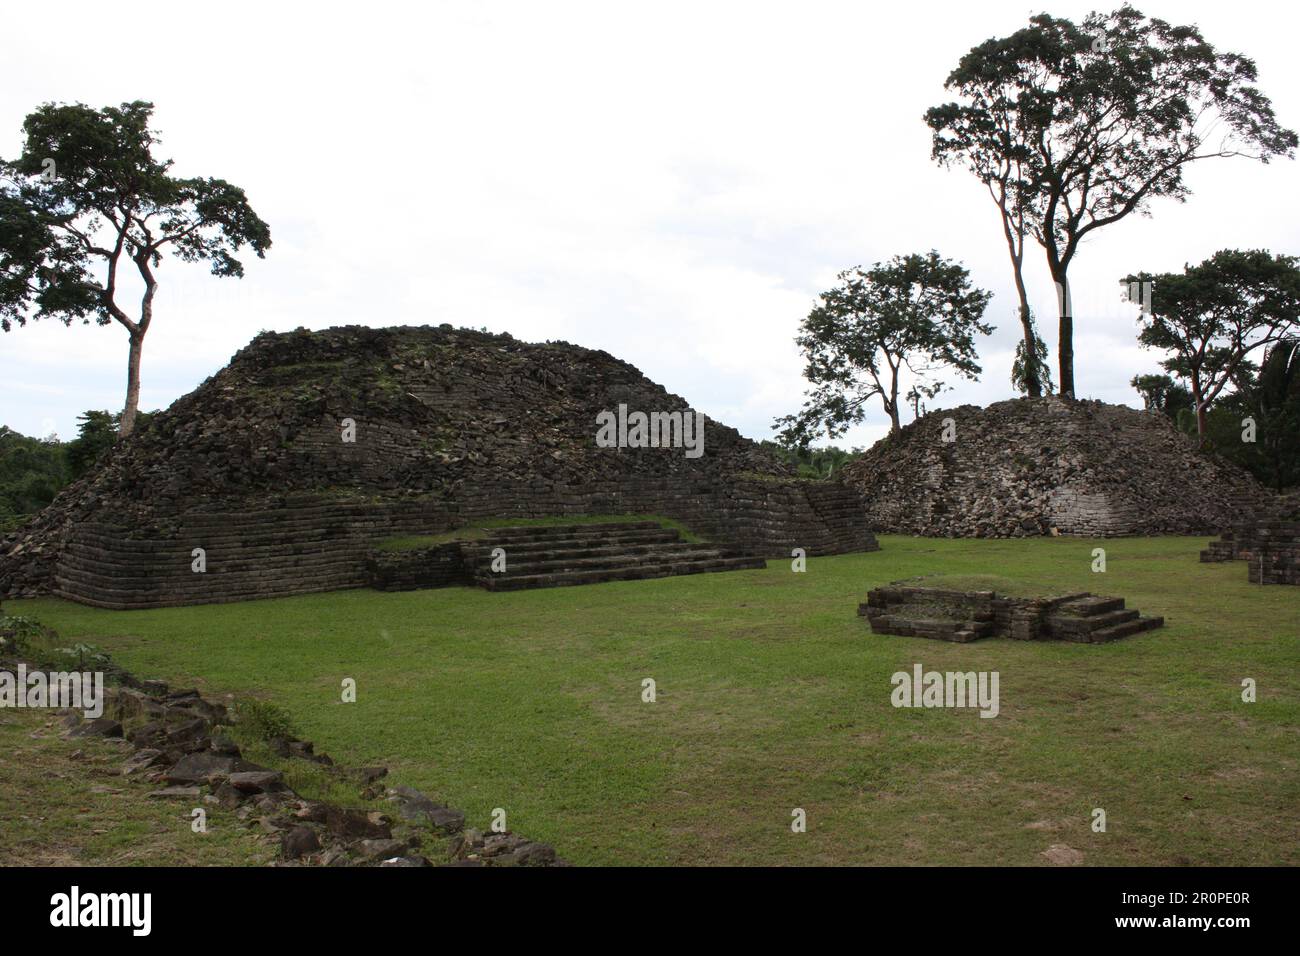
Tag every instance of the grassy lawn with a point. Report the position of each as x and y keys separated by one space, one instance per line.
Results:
x=773 y=694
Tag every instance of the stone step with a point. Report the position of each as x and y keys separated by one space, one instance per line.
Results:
x=1081 y=629
x=1092 y=606
x=516 y=556
x=662 y=548
x=485 y=545
x=1135 y=626
x=570 y=530
x=611 y=561
x=636 y=572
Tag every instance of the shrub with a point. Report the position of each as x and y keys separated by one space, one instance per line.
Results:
x=263 y=719
x=16 y=633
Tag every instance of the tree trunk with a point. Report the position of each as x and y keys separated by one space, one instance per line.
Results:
x=1033 y=382
x=894 y=425
x=132 y=384
x=1199 y=402
x=1065 y=344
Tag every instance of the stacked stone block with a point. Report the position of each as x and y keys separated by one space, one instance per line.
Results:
x=963 y=616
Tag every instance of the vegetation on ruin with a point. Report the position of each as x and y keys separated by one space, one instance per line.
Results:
x=773 y=694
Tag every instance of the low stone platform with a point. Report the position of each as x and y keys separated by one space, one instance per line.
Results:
x=963 y=616
x=1271 y=550
x=555 y=556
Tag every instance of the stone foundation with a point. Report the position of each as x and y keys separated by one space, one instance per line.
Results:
x=963 y=616
x=1271 y=550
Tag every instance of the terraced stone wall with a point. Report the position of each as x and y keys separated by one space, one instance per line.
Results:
x=326 y=545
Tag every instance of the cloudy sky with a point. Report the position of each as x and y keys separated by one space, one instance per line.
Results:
x=673 y=183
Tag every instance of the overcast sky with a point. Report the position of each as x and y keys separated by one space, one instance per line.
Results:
x=673 y=183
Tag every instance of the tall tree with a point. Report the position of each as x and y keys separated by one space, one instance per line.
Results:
x=984 y=132
x=1211 y=317
x=86 y=199
x=1276 y=401
x=1105 y=117
x=915 y=312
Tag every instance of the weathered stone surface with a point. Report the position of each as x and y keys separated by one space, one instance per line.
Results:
x=1049 y=466
x=256 y=781
x=162 y=735
x=380 y=849
x=299 y=842
x=415 y=806
x=356 y=824
x=141 y=760
x=224 y=746
x=98 y=727
x=201 y=768
x=1270 y=548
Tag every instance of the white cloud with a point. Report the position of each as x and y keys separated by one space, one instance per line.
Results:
x=671 y=182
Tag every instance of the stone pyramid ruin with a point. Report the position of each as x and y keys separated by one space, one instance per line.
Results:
x=1045 y=466
x=286 y=467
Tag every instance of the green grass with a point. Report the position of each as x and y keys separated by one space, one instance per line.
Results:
x=478 y=530
x=1004 y=586
x=773 y=694
x=67 y=804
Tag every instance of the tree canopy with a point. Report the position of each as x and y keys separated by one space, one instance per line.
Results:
x=1075 y=126
x=1212 y=317
x=85 y=200
x=915 y=312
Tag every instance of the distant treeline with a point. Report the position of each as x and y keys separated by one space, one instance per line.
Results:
x=1257 y=425
x=34 y=470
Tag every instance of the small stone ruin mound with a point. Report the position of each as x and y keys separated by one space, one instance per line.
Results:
x=1271 y=550
x=1031 y=467
x=963 y=616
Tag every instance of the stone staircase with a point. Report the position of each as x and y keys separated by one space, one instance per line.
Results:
x=1095 y=620
x=559 y=555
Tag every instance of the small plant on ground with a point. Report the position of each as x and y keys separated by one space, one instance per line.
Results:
x=81 y=655
x=262 y=719
x=16 y=633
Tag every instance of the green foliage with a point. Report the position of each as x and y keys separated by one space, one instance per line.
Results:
x=97 y=432
x=1211 y=317
x=1073 y=127
x=86 y=197
x=1160 y=393
x=1025 y=370
x=824 y=462
x=917 y=313
x=32 y=472
x=1271 y=399
x=263 y=719
x=79 y=656
x=17 y=634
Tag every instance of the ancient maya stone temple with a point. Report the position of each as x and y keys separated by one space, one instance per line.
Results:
x=1031 y=467
x=448 y=425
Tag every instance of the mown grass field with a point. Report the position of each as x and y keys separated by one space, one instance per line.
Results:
x=773 y=694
